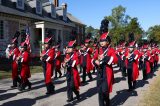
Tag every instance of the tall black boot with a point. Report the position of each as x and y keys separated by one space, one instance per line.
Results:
x=134 y=84
x=14 y=84
x=50 y=88
x=48 y=91
x=84 y=75
x=90 y=76
x=22 y=87
x=77 y=95
x=55 y=74
x=18 y=80
x=28 y=84
x=60 y=73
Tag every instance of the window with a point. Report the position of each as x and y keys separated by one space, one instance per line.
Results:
x=38 y=7
x=0 y=1
x=1 y=30
x=20 y=4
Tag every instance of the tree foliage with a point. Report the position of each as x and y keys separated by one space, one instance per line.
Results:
x=154 y=33
x=122 y=24
x=93 y=31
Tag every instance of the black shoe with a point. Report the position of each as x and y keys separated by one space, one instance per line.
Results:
x=129 y=90
x=49 y=93
x=144 y=79
x=21 y=87
x=14 y=86
x=91 y=79
x=78 y=97
x=50 y=88
x=69 y=100
x=83 y=81
x=29 y=85
x=60 y=75
x=14 y=83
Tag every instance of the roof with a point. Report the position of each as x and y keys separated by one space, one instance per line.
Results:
x=8 y=10
x=70 y=16
x=74 y=19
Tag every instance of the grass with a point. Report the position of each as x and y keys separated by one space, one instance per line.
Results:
x=8 y=74
x=152 y=96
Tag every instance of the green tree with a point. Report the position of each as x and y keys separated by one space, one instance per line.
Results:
x=134 y=27
x=154 y=33
x=89 y=29
x=93 y=31
x=122 y=24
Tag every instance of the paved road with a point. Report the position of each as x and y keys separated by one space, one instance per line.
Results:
x=89 y=96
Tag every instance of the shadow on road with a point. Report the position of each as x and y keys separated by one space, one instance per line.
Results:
x=2 y=91
x=84 y=96
x=118 y=79
x=141 y=83
x=7 y=96
x=121 y=97
x=20 y=102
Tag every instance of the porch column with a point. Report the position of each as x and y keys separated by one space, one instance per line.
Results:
x=56 y=35
x=43 y=36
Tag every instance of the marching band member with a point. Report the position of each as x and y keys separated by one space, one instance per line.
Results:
x=103 y=59
x=73 y=79
x=146 y=62
x=132 y=66
x=13 y=55
x=47 y=57
x=24 y=60
x=86 y=61
x=57 y=59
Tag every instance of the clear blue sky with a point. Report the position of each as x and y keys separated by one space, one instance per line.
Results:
x=91 y=12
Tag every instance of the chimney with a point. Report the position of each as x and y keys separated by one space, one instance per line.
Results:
x=64 y=7
x=56 y=3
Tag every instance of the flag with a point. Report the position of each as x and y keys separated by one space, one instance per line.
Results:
x=27 y=40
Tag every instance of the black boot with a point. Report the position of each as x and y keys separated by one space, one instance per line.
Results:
x=90 y=76
x=60 y=74
x=14 y=84
x=77 y=95
x=50 y=88
x=47 y=86
x=29 y=84
x=18 y=80
x=55 y=74
x=69 y=100
x=21 y=87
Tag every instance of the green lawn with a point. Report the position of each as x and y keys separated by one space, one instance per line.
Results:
x=152 y=96
x=7 y=74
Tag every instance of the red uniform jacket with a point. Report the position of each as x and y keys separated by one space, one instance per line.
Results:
x=74 y=61
x=16 y=53
x=58 y=59
x=49 y=65
x=152 y=56
x=156 y=54
x=108 y=68
x=148 y=57
x=25 y=70
x=126 y=54
x=86 y=59
x=134 y=67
